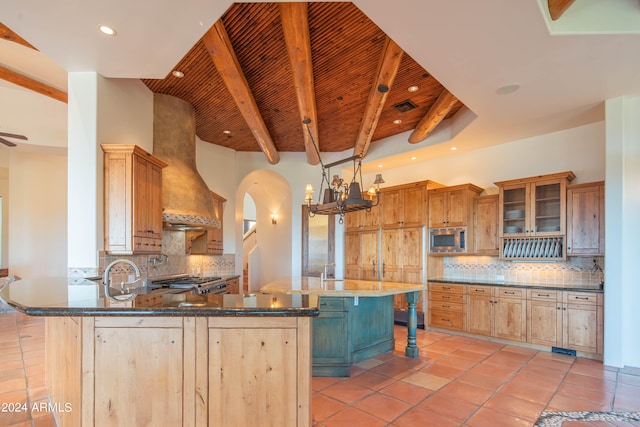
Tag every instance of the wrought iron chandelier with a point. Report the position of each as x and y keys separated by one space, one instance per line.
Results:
x=340 y=197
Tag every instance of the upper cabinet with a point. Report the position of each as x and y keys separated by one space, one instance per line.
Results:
x=533 y=215
x=208 y=242
x=403 y=206
x=534 y=206
x=363 y=220
x=132 y=200
x=452 y=206
x=585 y=219
x=485 y=217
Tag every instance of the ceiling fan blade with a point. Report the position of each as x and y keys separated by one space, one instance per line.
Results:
x=7 y=143
x=13 y=135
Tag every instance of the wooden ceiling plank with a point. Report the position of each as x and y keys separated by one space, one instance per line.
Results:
x=295 y=26
x=558 y=7
x=387 y=69
x=434 y=116
x=32 y=84
x=223 y=56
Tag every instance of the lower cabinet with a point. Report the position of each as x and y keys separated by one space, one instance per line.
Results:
x=447 y=306
x=233 y=285
x=350 y=330
x=497 y=312
x=172 y=371
x=567 y=319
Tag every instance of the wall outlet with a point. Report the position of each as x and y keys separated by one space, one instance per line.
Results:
x=500 y=278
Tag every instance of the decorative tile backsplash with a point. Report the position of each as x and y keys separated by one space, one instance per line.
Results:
x=572 y=272
x=173 y=261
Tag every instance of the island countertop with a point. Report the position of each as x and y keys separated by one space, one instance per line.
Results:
x=338 y=287
x=81 y=297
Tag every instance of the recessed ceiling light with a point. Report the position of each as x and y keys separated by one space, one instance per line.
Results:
x=177 y=73
x=109 y=31
x=397 y=121
x=413 y=158
x=413 y=88
x=507 y=89
x=379 y=166
x=226 y=132
x=454 y=148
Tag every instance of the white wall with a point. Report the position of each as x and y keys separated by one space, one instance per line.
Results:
x=37 y=215
x=622 y=293
x=101 y=111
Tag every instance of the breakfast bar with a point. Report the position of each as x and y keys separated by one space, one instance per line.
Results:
x=356 y=319
x=160 y=359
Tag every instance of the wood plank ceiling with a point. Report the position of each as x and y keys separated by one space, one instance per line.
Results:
x=358 y=75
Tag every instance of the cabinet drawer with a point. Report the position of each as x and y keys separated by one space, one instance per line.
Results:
x=544 y=295
x=510 y=293
x=446 y=319
x=451 y=306
x=445 y=297
x=479 y=290
x=582 y=298
x=446 y=287
x=332 y=304
x=147 y=244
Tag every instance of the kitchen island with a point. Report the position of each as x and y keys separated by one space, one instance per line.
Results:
x=171 y=358
x=355 y=321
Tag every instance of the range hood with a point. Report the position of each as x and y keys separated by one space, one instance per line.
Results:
x=187 y=202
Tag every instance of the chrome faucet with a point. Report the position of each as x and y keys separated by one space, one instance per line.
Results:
x=105 y=279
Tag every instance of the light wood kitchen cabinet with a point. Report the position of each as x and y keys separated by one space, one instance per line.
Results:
x=585 y=219
x=132 y=200
x=452 y=206
x=566 y=319
x=447 y=306
x=401 y=258
x=497 y=311
x=363 y=219
x=485 y=217
x=534 y=206
x=233 y=285
x=209 y=241
x=361 y=255
x=403 y=206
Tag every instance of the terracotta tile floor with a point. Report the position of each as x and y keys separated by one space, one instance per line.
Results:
x=456 y=381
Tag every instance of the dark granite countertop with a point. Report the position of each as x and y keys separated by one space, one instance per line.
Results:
x=590 y=288
x=82 y=297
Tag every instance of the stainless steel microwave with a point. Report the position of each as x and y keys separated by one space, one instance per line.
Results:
x=447 y=240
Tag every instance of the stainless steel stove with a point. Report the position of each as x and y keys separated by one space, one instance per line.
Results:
x=197 y=285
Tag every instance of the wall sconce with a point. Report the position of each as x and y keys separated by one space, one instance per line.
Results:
x=274 y=219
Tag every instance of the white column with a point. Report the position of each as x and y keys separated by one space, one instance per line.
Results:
x=84 y=187
x=622 y=224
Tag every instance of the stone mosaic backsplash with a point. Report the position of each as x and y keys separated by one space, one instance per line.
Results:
x=574 y=272
x=173 y=261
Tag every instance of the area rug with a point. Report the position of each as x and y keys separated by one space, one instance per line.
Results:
x=555 y=419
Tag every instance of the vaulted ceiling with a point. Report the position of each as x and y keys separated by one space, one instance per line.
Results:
x=265 y=67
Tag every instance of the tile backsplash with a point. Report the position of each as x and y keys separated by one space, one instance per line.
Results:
x=572 y=272
x=173 y=261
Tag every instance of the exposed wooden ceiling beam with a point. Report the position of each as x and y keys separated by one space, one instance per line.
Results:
x=7 y=34
x=221 y=51
x=558 y=7
x=295 y=26
x=386 y=73
x=434 y=116
x=32 y=84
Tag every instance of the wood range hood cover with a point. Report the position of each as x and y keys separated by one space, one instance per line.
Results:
x=187 y=202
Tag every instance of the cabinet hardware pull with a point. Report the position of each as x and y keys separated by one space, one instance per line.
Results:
x=445 y=320
x=509 y=292
x=446 y=297
x=383 y=266
x=373 y=268
x=544 y=295
x=446 y=288
x=446 y=306
x=582 y=298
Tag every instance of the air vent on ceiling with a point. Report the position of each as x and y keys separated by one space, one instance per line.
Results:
x=405 y=106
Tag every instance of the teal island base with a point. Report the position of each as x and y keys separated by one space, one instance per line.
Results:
x=350 y=330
